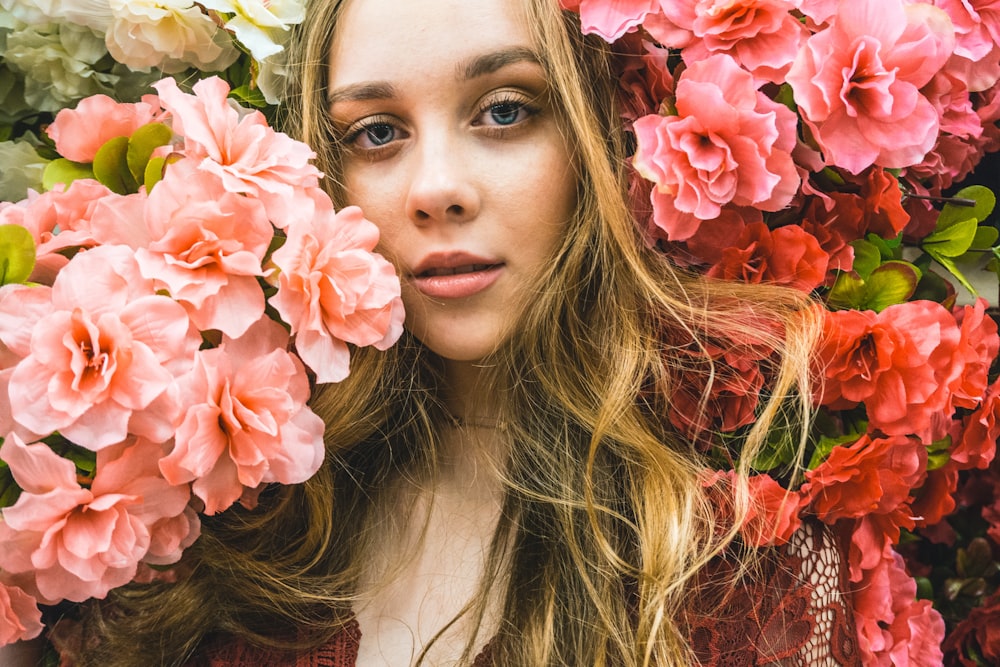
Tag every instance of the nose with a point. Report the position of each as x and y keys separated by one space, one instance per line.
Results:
x=442 y=189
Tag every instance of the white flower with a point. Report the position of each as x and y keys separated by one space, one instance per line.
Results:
x=171 y=35
x=57 y=63
x=22 y=169
x=260 y=25
x=94 y=14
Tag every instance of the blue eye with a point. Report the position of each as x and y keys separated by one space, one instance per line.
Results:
x=506 y=113
x=378 y=134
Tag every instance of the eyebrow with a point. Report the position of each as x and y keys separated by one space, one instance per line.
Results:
x=471 y=69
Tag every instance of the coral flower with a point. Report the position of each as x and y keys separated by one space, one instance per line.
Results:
x=727 y=144
x=20 y=617
x=246 y=420
x=104 y=356
x=243 y=151
x=333 y=290
x=857 y=82
x=611 y=20
x=80 y=543
x=80 y=132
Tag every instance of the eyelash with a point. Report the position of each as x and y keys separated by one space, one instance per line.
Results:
x=506 y=99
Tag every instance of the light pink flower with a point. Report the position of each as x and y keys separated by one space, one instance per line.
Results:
x=761 y=35
x=21 y=307
x=977 y=51
x=242 y=150
x=79 y=542
x=202 y=244
x=102 y=359
x=857 y=82
x=246 y=421
x=58 y=220
x=20 y=617
x=894 y=628
x=332 y=289
x=727 y=144
x=612 y=19
x=80 y=132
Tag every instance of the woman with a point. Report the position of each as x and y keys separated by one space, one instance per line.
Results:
x=503 y=486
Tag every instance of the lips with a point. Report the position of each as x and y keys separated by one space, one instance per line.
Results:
x=455 y=275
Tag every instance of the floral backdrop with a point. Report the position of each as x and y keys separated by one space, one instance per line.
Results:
x=840 y=147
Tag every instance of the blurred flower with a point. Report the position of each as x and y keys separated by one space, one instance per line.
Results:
x=260 y=25
x=22 y=169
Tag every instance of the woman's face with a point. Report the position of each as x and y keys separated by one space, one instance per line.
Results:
x=452 y=147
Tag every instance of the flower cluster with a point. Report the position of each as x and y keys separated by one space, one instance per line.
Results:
x=821 y=145
x=165 y=307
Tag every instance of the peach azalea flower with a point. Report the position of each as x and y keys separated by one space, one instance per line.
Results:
x=246 y=421
x=241 y=149
x=97 y=119
x=333 y=290
x=106 y=352
x=79 y=542
x=20 y=617
x=612 y=19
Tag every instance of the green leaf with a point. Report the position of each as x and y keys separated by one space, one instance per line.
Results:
x=893 y=282
x=938 y=453
x=952 y=240
x=141 y=145
x=153 y=174
x=17 y=254
x=952 y=213
x=986 y=238
x=848 y=292
x=867 y=257
x=825 y=445
x=932 y=287
x=64 y=171
x=111 y=167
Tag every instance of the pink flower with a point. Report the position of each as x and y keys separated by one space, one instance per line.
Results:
x=612 y=19
x=761 y=35
x=21 y=307
x=333 y=290
x=243 y=151
x=58 y=221
x=20 y=617
x=80 y=132
x=80 y=543
x=977 y=51
x=246 y=420
x=103 y=358
x=857 y=82
x=204 y=245
x=727 y=144
x=894 y=628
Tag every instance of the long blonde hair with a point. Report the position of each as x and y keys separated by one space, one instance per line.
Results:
x=605 y=522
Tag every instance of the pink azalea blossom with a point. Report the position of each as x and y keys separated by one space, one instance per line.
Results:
x=101 y=361
x=857 y=82
x=21 y=306
x=977 y=51
x=242 y=150
x=79 y=542
x=333 y=290
x=246 y=420
x=894 y=628
x=611 y=19
x=80 y=132
x=59 y=220
x=20 y=617
x=202 y=244
x=727 y=144
x=761 y=35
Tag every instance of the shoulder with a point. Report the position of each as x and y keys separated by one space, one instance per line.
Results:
x=789 y=606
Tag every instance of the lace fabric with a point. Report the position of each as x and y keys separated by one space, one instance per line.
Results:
x=789 y=611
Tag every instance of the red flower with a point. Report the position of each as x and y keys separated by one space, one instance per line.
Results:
x=875 y=475
x=772 y=514
x=978 y=633
x=786 y=256
x=899 y=363
x=978 y=443
x=977 y=348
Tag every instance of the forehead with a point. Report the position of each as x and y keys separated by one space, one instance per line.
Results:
x=379 y=39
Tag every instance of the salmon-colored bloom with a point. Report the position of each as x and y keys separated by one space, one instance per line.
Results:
x=333 y=290
x=611 y=20
x=105 y=353
x=20 y=617
x=247 y=155
x=80 y=132
x=246 y=421
x=79 y=542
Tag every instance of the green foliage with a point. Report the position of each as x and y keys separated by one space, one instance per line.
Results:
x=958 y=232
x=887 y=284
x=17 y=254
x=64 y=171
